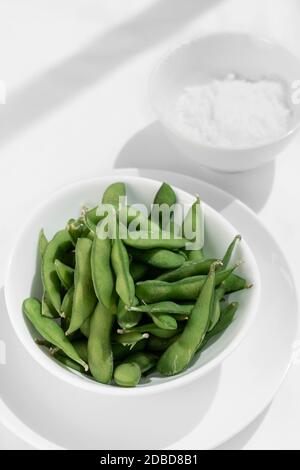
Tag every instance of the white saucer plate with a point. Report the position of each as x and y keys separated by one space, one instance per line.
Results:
x=47 y=413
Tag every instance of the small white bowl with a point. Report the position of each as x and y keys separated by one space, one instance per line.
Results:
x=23 y=279
x=215 y=56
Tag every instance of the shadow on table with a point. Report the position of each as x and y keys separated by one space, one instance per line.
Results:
x=77 y=419
x=105 y=53
x=150 y=148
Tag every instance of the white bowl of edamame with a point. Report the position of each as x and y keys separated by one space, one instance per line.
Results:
x=128 y=315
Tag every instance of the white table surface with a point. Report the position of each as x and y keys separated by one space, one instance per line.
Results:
x=77 y=73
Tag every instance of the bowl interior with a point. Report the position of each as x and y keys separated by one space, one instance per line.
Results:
x=24 y=280
x=215 y=56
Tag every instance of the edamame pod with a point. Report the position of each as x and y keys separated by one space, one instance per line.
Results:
x=66 y=361
x=101 y=270
x=151 y=328
x=216 y=311
x=65 y=274
x=179 y=355
x=164 y=307
x=113 y=193
x=43 y=243
x=128 y=318
x=81 y=347
x=60 y=244
x=129 y=338
x=47 y=308
x=188 y=269
x=84 y=299
x=145 y=241
x=50 y=330
x=235 y=283
x=111 y=196
x=163 y=321
x=160 y=319
x=120 y=261
x=194 y=223
x=100 y=357
x=145 y=360
x=164 y=196
x=85 y=328
x=67 y=303
x=228 y=254
x=127 y=375
x=186 y=289
x=227 y=316
x=159 y=258
x=77 y=229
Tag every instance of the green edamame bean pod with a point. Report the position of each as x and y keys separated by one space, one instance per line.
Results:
x=47 y=308
x=127 y=375
x=77 y=229
x=81 y=346
x=228 y=254
x=102 y=274
x=100 y=357
x=145 y=360
x=50 y=330
x=164 y=307
x=216 y=311
x=66 y=361
x=235 y=283
x=186 y=289
x=43 y=243
x=179 y=355
x=163 y=321
x=67 y=303
x=84 y=299
x=227 y=317
x=194 y=222
x=143 y=240
x=60 y=244
x=196 y=255
x=160 y=319
x=120 y=262
x=111 y=196
x=65 y=274
x=164 y=196
x=159 y=258
x=129 y=338
x=188 y=269
x=128 y=318
x=113 y=193
x=153 y=329
x=85 y=328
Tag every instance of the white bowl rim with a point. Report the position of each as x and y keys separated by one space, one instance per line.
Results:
x=234 y=34
x=92 y=386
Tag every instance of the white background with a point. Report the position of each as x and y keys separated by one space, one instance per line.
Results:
x=77 y=74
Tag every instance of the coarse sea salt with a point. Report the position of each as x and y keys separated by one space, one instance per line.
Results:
x=234 y=112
